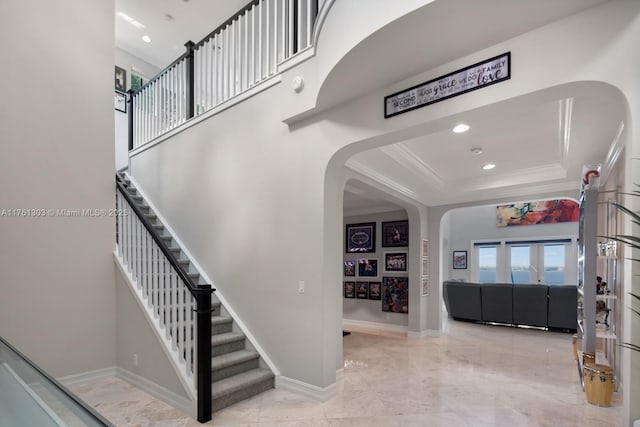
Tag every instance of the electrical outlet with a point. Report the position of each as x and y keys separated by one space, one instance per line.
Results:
x=301 y=287
x=135 y=360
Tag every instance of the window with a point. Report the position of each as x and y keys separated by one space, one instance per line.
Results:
x=487 y=263
x=554 y=262
x=521 y=264
x=548 y=261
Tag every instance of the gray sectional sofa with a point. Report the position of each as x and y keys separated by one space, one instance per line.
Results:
x=552 y=307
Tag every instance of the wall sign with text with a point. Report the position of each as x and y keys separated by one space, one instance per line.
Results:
x=476 y=76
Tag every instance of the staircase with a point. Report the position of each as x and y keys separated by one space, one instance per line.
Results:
x=238 y=372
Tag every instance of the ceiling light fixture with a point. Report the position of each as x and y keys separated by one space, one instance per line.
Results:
x=461 y=128
x=488 y=166
x=476 y=151
x=146 y=39
x=130 y=20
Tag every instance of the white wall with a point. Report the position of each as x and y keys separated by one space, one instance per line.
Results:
x=57 y=297
x=371 y=310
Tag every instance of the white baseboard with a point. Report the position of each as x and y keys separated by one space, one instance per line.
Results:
x=375 y=325
x=309 y=390
x=339 y=373
x=433 y=332
x=159 y=392
x=86 y=377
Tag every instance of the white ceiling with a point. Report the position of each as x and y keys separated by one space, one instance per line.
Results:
x=538 y=143
x=192 y=20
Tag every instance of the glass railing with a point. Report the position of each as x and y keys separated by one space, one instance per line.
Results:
x=30 y=397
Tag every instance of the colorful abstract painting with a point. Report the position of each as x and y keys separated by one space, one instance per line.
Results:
x=395 y=294
x=540 y=212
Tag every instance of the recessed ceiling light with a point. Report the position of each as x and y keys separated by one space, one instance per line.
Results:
x=488 y=166
x=476 y=151
x=146 y=39
x=461 y=128
x=130 y=20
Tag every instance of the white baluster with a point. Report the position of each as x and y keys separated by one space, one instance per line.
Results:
x=267 y=33
x=260 y=39
x=181 y=338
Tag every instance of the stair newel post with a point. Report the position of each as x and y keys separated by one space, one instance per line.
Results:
x=203 y=324
x=190 y=72
x=130 y=117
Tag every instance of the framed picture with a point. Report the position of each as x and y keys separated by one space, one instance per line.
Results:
x=460 y=260
x=349 y=289
x=425 y=266
x=350 y=268
x=395 y=261
x=425 y=286
x=395 y=233
x=395 y=294
x=121 y=101
x=425 y=248
x=368 y=267
x=120 y=79
x=362 y=290
x=375 y=290
x=361 y=237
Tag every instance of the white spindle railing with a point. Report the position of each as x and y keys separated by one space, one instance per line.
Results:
x=161 y=105
x=163 y=291
x=242 y=53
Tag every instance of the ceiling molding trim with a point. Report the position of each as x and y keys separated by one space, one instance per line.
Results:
x=410 y=160
x=615 y=149
x=565 y=112
x=380 y=179
x=524 y=177
x=372 y=210
x=519 y=192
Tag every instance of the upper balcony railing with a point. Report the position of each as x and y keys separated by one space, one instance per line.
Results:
x=238 y=55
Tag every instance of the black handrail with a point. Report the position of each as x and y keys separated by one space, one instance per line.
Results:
x=92 y=412
x=202 y=295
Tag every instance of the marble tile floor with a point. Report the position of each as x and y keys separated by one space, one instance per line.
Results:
x=473 y=375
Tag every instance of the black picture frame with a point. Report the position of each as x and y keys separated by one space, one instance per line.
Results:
x=459 y=260
x=362 y=290
x=395 y=261
x=360 y=238
x=368 y=267
x=395 y=294
x=349 y=289
x=120 y=101
x=375 y=291
x=395 y=234
x=350 y=268
x=120 y=79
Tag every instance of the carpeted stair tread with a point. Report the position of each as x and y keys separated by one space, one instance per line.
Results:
x=240 y=382
x=219 y=320
x=229 y=359
x=225 y=338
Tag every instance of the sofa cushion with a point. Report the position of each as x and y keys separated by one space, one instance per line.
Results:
x=530 y=305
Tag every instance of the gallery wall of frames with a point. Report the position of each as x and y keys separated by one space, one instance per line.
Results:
x=376 y=268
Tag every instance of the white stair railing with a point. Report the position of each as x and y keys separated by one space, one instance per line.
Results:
x=240 y=54
x=178 y=308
